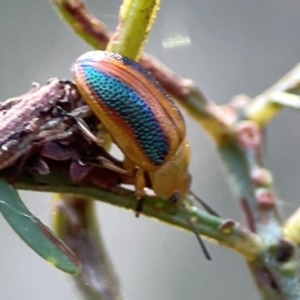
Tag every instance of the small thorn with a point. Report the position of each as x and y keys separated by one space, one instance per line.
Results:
x=227 y=226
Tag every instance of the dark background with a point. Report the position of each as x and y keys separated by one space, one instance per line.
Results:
x=235 y=47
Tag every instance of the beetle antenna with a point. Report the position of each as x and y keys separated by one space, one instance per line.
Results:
x=198 y=237
x=208 y=208
x=175 y=198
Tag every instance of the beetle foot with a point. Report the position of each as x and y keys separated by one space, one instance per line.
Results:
x=139 y=206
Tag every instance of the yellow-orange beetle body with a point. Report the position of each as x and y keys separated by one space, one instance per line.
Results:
x=140 y=117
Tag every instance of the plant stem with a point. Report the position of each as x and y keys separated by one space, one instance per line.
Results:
x=225 y=232
x=75 y=221
x=89 y=28
x=136 y=18
x=262 y=109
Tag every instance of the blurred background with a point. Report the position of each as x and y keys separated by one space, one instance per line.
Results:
x=226 y=47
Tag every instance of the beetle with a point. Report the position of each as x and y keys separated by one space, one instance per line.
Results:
x=141 y=118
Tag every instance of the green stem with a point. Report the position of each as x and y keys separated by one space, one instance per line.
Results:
x=262 y=109
x=136 y=18
x=234 y=236
x=239 y=172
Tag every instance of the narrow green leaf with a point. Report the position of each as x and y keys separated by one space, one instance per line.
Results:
x=34 y=233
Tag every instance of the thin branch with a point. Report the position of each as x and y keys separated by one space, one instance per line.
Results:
x=250 y=138
x=75 y=222
x=135 y=20
x=224 y=232
x=89 y=28
x=263 y=109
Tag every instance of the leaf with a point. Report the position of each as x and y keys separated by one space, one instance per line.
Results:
x=34 y=233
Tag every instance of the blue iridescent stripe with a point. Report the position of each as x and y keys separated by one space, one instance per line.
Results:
x=133 y=64
x=128 y=104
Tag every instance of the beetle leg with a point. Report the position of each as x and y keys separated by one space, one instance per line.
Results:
x=128 y=164
x=85 y=130
x=139 y=183
x=81 y=125
x=139 y=207
x=106 y=163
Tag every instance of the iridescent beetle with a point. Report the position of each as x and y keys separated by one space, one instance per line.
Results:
x=142 y=120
